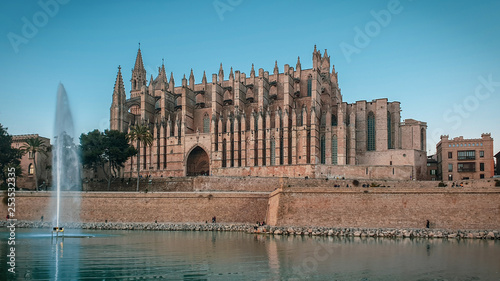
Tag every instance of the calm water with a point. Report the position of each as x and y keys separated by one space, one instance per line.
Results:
x=141 y=255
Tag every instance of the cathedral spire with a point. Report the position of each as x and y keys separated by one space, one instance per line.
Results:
x=221 y=73
x=139 y=65
x=252 y=72
x=276 y=69
x=118 y=108
x=204 y=79
x=298 y=65
x=231 y=75
x=163 y=74
x=119 y=87
x=172 y=78
x=138 y=73
x=191 y=79
x=325 y=55
x=184 y=81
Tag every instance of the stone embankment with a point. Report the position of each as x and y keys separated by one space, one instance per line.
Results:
x=274 y=230
x=380 y=232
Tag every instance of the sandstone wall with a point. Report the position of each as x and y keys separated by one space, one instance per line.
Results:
x=448 y=208
x=396 y=172
x=265 y=184
x=146 y=207
x=285 y=201
x=185 y=184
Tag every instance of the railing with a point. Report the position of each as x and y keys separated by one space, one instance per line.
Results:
x=466 y=158
x=466 y=169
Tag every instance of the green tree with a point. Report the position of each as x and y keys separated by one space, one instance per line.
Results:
x=9 y=156
x=140 y=133
x=34 y=145
x=107 y=151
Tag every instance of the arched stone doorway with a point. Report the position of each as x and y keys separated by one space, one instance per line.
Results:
x=198 y=163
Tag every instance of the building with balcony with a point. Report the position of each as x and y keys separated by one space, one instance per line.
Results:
x=432 y=167
x=463 y=159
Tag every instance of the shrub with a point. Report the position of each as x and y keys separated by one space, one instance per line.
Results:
x=373 y=184
x=441 y=184
x=355 y=182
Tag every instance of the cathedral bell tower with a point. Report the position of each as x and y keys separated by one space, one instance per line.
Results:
x=118 y=109
x=138 y=75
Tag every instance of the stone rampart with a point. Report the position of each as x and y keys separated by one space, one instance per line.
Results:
x=351 y=172
x=387 y=207
x=236 y=207
x=285 y=202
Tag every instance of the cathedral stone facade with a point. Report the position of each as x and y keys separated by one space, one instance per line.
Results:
x=291 y=123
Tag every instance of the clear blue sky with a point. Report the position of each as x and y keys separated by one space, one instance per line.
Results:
x=429 y=55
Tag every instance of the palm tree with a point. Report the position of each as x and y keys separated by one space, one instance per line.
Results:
x=34 y=145
x=140 y=133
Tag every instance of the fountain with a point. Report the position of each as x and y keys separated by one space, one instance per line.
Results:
x=66 y=167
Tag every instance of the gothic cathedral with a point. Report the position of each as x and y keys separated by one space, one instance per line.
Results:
x=291 y=123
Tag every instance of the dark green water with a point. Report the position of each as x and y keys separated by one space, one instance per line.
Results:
x=146 y=255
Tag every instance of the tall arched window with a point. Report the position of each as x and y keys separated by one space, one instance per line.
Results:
x=334 y=120
x=273 y=152
x=299 y=118
x=348 y=148
x=389 y=131
x=178 y=132
x=309 y=86
x=323 y=119
x=308 y=146
x=231 y=146
x=371 y=132
x=206 y=124
x=224 y=155
x=31 y=169
x=282 y=156
x=323 y=149
x=334 y=150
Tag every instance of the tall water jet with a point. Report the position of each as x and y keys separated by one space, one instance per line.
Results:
x=66 y=167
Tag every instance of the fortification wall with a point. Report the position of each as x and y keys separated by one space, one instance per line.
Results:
x=396 y=172
x=284 y=201
x=146 y=207
x=260 y=184
x=188 y=184
x=448 y=208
